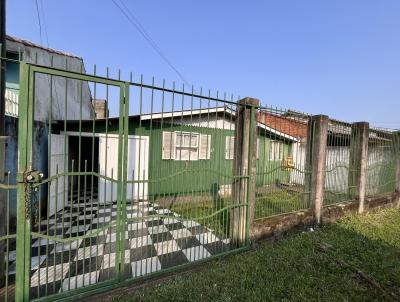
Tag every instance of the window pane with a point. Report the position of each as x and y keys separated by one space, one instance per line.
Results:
x=178 y=139
x=194 y=140
x=184 y=153
x=186 y=140
x=229 y=147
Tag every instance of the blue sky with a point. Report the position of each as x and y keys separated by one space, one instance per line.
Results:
x=340 y=58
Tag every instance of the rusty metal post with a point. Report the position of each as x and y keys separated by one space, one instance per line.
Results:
x=244 y=170
x=315 y=163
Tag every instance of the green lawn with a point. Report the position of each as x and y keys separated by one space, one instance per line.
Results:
x=357 y=259
x=267 y=204
x=280 y=202
x=214 y=214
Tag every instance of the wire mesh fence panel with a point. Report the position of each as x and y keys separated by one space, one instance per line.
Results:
x=381 y=162
x=337 y=162
x=281 y=162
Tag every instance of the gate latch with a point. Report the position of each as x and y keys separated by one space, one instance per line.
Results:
x=29 y=178
x=33 y=176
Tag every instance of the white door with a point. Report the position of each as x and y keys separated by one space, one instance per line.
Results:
x=137 y=167
x=58 y=165
x=108 y=168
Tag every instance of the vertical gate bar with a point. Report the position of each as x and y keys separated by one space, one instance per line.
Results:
x=180 y=149
x=79 y=175
x=70 y=220
x=7 y=240
x=138 y=174
x=65 y=166
x=119 y=180
x=22 y=147
x=49 y=171
x=29 y=146
x=92 y=178
x=106 y=175
x=55 y=223
x=125 y=174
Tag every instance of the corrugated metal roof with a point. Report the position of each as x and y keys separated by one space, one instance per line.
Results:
x=34 y=45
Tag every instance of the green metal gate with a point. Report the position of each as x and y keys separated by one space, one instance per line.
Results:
x=111 y=200
x=31 y=182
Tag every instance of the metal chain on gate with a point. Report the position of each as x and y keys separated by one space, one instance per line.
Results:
x=28 y=191
x=30 y=178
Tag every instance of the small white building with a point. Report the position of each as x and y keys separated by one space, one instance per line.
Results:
x=77 y=93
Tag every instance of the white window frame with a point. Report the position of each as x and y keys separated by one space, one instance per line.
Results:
x=229 y=153
x=229 y=142
x=258 y=148
x=276 y=150
x=176 y=149
x=179 y=148
x=205 y=138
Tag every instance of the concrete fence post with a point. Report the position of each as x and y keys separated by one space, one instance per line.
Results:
x=358 y=162
x=316 y=162
x=396 y=142
x=244 y=169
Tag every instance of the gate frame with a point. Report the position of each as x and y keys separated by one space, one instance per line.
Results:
x=25 y=148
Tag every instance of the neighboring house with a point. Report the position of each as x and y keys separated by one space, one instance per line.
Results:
x=380 y=157
x=18 y=49
x=187 y=152
x=294 y=127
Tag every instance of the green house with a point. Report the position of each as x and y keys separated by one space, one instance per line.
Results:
x=187 y=152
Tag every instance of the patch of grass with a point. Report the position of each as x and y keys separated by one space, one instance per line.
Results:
x=331 y=197
x=207 y=211
x=296 y=269
x=274 y=203
x=267 y=204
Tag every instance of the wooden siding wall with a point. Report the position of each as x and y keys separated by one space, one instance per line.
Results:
x=179 y=177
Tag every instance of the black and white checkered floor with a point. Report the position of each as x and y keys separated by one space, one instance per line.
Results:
x=151 y=244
